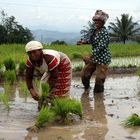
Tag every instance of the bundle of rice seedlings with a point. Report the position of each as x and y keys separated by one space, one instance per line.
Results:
x=10 y=76
x=133 y=120
x=23 y=89
x=75 y=107
x=63 y=107
x=45 y=89
x=43 y=100
x=45 y=115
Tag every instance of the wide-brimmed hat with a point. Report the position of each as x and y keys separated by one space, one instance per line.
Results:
x=100 y=15
x=33 y=45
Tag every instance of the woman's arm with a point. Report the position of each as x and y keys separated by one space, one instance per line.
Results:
x=29 y=79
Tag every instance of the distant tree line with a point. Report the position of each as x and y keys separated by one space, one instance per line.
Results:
x=58 y=42
x=122 y=30
x=11 y=31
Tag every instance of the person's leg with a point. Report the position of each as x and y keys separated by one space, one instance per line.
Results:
x=101 y=73
x=86 y=74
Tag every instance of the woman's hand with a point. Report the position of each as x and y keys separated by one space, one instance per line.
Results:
x=34 y=94
x=87 y=59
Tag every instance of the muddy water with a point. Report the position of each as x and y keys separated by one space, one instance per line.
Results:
x=103 y=114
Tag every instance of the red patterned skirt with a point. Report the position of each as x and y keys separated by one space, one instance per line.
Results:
x=61 y=88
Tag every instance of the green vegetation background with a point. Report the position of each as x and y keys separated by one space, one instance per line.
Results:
x=18 y=54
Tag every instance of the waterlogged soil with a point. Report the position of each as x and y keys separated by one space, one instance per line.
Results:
x=103 y=114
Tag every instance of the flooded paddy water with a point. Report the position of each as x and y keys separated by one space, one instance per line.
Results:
x=102 y=113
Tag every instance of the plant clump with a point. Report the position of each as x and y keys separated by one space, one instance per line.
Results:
x=133 y=120
x=64 y=107
x=59 y=109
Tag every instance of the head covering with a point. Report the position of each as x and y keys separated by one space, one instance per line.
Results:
x=33 y=45
x=100 y=15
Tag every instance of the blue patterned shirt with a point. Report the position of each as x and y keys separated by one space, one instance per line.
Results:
x=99 y=42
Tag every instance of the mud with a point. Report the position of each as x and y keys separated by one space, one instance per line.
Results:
x=103 y=113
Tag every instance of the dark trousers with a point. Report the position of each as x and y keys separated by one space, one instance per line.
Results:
x=101 y=73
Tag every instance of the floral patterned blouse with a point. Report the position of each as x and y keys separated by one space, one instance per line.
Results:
x=99 y=42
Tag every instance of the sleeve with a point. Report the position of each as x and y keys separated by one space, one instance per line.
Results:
x=29 y=75
x=29 y=64
x=53 y=64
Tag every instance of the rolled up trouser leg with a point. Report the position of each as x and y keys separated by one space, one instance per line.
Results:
x=87 y=73
x=101 y=73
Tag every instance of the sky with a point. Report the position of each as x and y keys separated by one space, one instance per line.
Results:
x=66 y=15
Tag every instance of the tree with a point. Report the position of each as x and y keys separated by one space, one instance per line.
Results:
x=3 y=34
x=57 y=42
x=12 y=31
x=124 y=28
x=86 y=33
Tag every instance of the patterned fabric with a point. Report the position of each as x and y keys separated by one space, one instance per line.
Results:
x=62 y=86
x=100 y=41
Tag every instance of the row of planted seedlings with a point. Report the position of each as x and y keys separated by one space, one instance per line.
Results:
x=56 y=110
x=8 y=77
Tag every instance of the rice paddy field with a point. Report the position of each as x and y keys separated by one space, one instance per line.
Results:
x=103 y=114
x=17 y=52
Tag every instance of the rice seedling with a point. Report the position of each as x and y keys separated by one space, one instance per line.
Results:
x=21 y=67
x=45 y=115
x=77 y=68
x=44 y=100
x=10 y=76
x=9 y=64
x=133 y=120
x=23 y=89
x=4 y=97
x=63 y=107
x=76 y=55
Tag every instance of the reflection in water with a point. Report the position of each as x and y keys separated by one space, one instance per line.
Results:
x=97 y=114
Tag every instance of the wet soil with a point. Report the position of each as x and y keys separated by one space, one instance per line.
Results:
x=102 y=113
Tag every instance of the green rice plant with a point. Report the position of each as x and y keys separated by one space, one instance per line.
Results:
x=37 y=84
x=45 y=115
x=23 y=89
x=44 y=100
x=76 y=55
x=77 y=68
x=9 y=64
x=133 y=120
x=4 y=97
x=45 y=89
x=5 y=100
x=63 y=107
x=21 y=67
x=10 y=76
x=75 y=107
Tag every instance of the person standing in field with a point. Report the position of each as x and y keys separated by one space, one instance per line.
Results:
x=54 y=66
x=101 y=57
